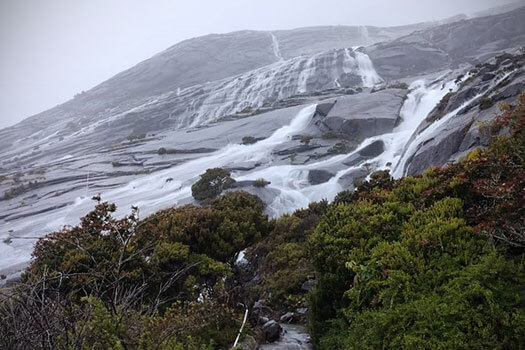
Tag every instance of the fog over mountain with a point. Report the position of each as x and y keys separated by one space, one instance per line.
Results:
x=53 y=49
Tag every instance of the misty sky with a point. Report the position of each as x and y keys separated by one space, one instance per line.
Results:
x=52 y=49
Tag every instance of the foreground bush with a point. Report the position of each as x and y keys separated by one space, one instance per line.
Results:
x=160 y=282
x=428 y=262
x=211 y=184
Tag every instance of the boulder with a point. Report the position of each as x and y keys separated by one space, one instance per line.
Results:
x=271 y=331
x=510 y=91
x=248 y=343
x=437 y=148
x=287 y=317
x=347 y=180
x=319 y=176
x=308 y=285
x=262 y=320
x=487 y=76
x=323 y=109
x=459 y=98
x=364 y=115
x=372 y=150
x=301 y=310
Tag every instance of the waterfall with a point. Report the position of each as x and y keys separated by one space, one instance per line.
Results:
x=420 y=111
x=366 y=69
x=275 y=47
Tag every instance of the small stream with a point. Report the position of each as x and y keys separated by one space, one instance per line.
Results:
x=293 y=337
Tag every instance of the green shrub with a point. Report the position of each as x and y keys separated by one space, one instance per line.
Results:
x=260 y=183
x=329 y=135
x=160 y=282
x=485 y=103
x=249 y=140
x=432 y=261
x=305 y=140
x=339 y=148
x=211 y=184
x=20 y=189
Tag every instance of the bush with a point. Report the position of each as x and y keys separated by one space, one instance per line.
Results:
x=161 y=151
x=305 y=140
x=161 y=282
x=21 y=189
x=260 y=183
x=211 y=184
x=415 y=263
x=339 y=148
x=282 y=259
x=485 y=103
x=330 y=135
x=249 y=140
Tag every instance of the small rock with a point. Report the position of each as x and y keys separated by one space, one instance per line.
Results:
x=263 y=320
x=487 y=76
x=301 y=310
x=287 y=317
x=254 y=281
x=248 y=343
x=272 y=331
x=307 y=286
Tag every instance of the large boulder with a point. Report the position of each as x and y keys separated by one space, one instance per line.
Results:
x=271 y=331
x=372 y=150
x=319 y=176
x=347 y=181
x=360 y=116
x=287 y=317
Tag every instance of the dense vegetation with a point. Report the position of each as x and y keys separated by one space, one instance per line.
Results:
x=160 y=282
x=211 y=184
x=430 y=261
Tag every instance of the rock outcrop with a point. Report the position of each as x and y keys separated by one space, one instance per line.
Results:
x=360 y=116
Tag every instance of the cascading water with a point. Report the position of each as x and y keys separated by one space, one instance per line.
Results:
x=152 y=192
x=275 y=47
x=289 y=183
x=401 y=167
x=366 y=70
x=280 y=80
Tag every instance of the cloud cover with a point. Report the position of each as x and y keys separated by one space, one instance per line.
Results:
x=52 y=49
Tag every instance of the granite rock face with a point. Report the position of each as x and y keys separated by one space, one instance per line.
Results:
x=407 y=56
x=202 y=80
x=460 y=124
x=319 y=176
x=372 y=150
x=439 y=47
x=360 y=116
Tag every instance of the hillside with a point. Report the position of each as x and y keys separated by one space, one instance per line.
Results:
x=430 y=261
